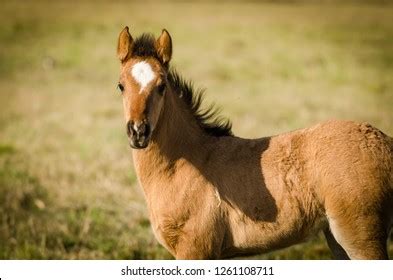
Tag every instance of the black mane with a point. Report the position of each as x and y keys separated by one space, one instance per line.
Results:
x=207 y=119
x=144 y=46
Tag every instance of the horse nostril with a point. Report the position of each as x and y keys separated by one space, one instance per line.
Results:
x=141 y=129
x=144 y=129
x=130 y=128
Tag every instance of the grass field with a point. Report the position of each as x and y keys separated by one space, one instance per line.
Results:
x=67 y=186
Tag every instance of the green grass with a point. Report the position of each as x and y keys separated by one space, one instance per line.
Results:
x=67 y=186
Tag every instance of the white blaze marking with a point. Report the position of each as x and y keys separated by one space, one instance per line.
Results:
x=142 y=73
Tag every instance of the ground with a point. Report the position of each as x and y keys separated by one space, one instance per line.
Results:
x=67 y=185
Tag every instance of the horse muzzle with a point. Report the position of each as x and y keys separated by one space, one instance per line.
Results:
x=138 y=134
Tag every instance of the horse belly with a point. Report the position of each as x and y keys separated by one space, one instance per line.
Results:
x=251 y=237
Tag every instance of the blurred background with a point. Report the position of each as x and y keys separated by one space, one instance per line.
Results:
x=67 y=185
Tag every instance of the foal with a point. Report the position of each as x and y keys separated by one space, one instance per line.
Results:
x=212 y=195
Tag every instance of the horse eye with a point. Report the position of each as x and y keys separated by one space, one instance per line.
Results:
x=121 y=87
x=161 y=89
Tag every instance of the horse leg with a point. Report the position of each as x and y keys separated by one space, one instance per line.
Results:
x=337 y=251
x=197 y=243
x=191 y=250
x=361 y=238
x=184 y=253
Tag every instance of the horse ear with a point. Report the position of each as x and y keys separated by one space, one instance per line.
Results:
x=124 y=45
x=164 y=46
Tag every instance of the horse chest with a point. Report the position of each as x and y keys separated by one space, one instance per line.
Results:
x=168 y=217
x=169 y=227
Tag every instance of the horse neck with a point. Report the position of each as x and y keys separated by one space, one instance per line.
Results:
x=176 y=137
